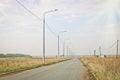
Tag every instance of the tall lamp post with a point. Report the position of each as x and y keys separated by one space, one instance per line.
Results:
x=59 y=41
x=64 y=46
x=67 y=50
x=117 y=48
x=44 y=14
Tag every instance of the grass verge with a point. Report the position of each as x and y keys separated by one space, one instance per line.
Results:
x=15 y=65
x=103 y=68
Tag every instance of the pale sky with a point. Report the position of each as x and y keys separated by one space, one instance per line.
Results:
x=89 y=24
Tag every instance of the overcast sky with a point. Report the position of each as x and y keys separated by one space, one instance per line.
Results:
x=89 y=24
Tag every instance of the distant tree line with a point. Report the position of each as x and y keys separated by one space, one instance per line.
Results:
x=13 y=55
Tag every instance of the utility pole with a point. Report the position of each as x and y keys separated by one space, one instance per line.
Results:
x=117 y=48
x=94 y=52
x=100 y=50
x=89 y=51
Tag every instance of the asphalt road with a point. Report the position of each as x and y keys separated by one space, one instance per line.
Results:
x=67 y=70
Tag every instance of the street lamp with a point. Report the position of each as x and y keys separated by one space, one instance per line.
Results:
x=64 y=46
x=44 y=32
x=67 y=50
x=59 y=41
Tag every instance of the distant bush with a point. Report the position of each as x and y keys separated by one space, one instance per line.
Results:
x=14 y=55
x=2 y=55
x=97 y=56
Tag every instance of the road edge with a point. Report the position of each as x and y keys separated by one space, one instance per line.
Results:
x=87 y=74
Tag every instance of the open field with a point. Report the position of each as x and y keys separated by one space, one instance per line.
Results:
x=16 y=64
x=103 y=68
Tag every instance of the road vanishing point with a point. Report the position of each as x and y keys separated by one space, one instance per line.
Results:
x=67 y=70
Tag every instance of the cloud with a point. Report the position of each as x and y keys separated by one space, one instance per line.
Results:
x=83 y=18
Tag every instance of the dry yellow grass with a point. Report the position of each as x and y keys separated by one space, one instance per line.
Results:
x=15 y=64
x=103 y=68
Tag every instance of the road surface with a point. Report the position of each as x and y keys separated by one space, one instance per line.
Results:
x=67 y=70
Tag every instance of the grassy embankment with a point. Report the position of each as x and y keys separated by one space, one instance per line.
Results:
x=103 y=68
x=17 y=64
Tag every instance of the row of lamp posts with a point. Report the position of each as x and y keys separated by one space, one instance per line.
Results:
x=44 y=30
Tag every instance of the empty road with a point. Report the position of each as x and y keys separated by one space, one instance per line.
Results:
x=67 y=70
